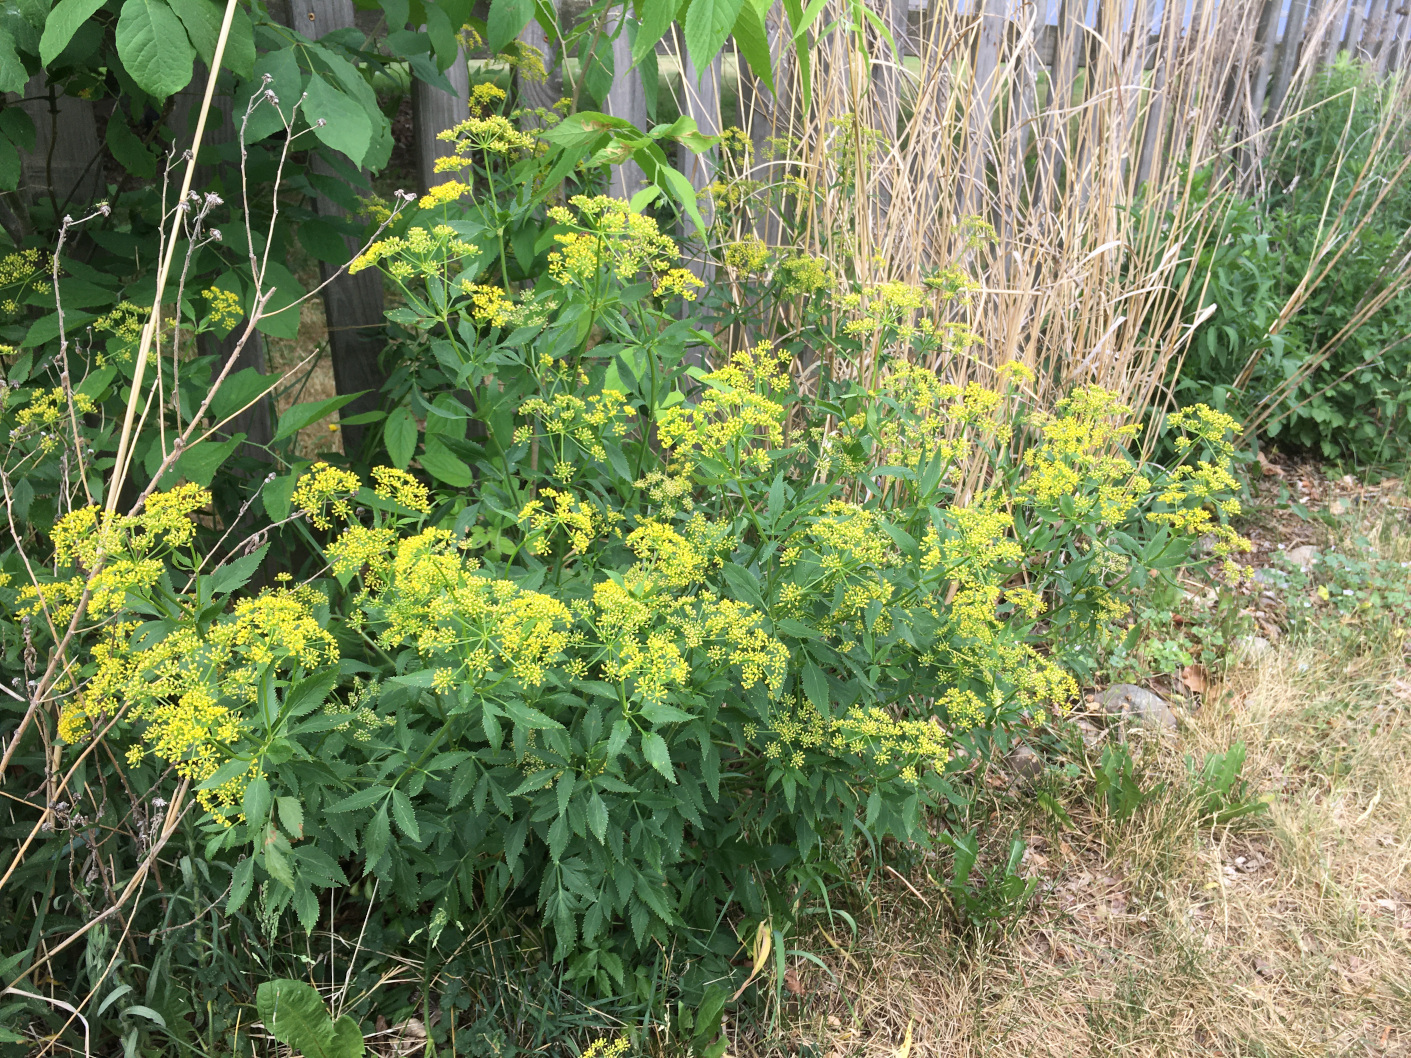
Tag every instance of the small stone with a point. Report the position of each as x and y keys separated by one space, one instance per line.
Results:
x=1272 y=577
x=1092 y=735
x=1127 y=699
x=1252 y=648
x=1303 y=556
x=1025 y=763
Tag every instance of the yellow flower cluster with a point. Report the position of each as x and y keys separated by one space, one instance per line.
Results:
x=881 y=305
x=435 y=598
x=1192 y=490
x=805 y=274
x=421 y=252
x=607 y=234
x=739 y=417
x=482 y=131
x=1083 y=456
x=126 y=546
x=488 y=304
x=749 y=255
x=186 y=689
x=586 y=420
x=48 y=415
x=601 y=1048
x=324 y=492
x=909 y=746
x=124 y=322
x=223 y=308
x=441 y=194
x=16 y=270
x=556 y=511
x=389 y=483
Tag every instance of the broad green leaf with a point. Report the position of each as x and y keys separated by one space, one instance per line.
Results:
x=280 y=318
x=399 y=434
x=368 y=795
x=241 y=882
x=752 y=40
x=237 y=574
x=299 y=416
x=708 y=23
x=506 y=19
x=129 y=151
x=13 y=76
x=15 y=125
x=405 y=815
x=200 y=462
x=815 y=685
x=661 y=713
x=294 y=1014
x=291 y=816
x=657 y=16
x=656 y=754
x=323 y=241
x=256 y=802
x=445 y=466
x=338 y=121
x=153 y=47
x=202 y=19
x=59 y=27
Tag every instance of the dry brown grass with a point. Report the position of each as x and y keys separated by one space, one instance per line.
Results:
x=1162 y=937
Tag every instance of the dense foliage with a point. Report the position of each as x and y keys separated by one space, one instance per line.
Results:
x=646 y=645
x=1331 y=376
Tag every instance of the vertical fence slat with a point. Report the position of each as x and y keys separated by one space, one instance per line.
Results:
x=1287 y=56
x=434 y=110
x=533 y=93
x=66 y=164
x=352 y=304
x=627 y=98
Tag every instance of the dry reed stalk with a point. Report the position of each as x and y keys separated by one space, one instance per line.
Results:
x=1096 y=189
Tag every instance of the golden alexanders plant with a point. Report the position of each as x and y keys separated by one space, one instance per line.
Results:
x=650 y=695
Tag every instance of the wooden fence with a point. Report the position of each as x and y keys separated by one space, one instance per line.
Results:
x=1008 y=46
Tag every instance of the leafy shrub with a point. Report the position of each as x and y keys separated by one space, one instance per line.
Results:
x=1335 y=192
x=691 y=634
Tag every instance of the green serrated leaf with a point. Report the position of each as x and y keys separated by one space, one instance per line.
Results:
x=656 y=753
x=237 y=574
x=708 y=23
x=399 y=434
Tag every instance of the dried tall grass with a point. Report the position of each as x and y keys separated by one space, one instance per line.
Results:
x=1090 y=172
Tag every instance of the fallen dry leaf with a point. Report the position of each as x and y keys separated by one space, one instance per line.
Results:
x=1196 y=677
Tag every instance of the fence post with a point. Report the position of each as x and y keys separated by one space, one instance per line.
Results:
x=66 y=163
x=627 y=98
x=352 y=304
x=542 y=95
x=434 y=110
x=1288 y=55
x=1154 y=128
x=1370 y=29
x=257 y=421
x=989 y=45
x=1060 y=94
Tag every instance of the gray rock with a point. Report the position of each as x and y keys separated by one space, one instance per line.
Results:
x=1252 y=648
x=1129 y=700
x=1272 y=577
x=1025 y=764
x=1304 y=556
